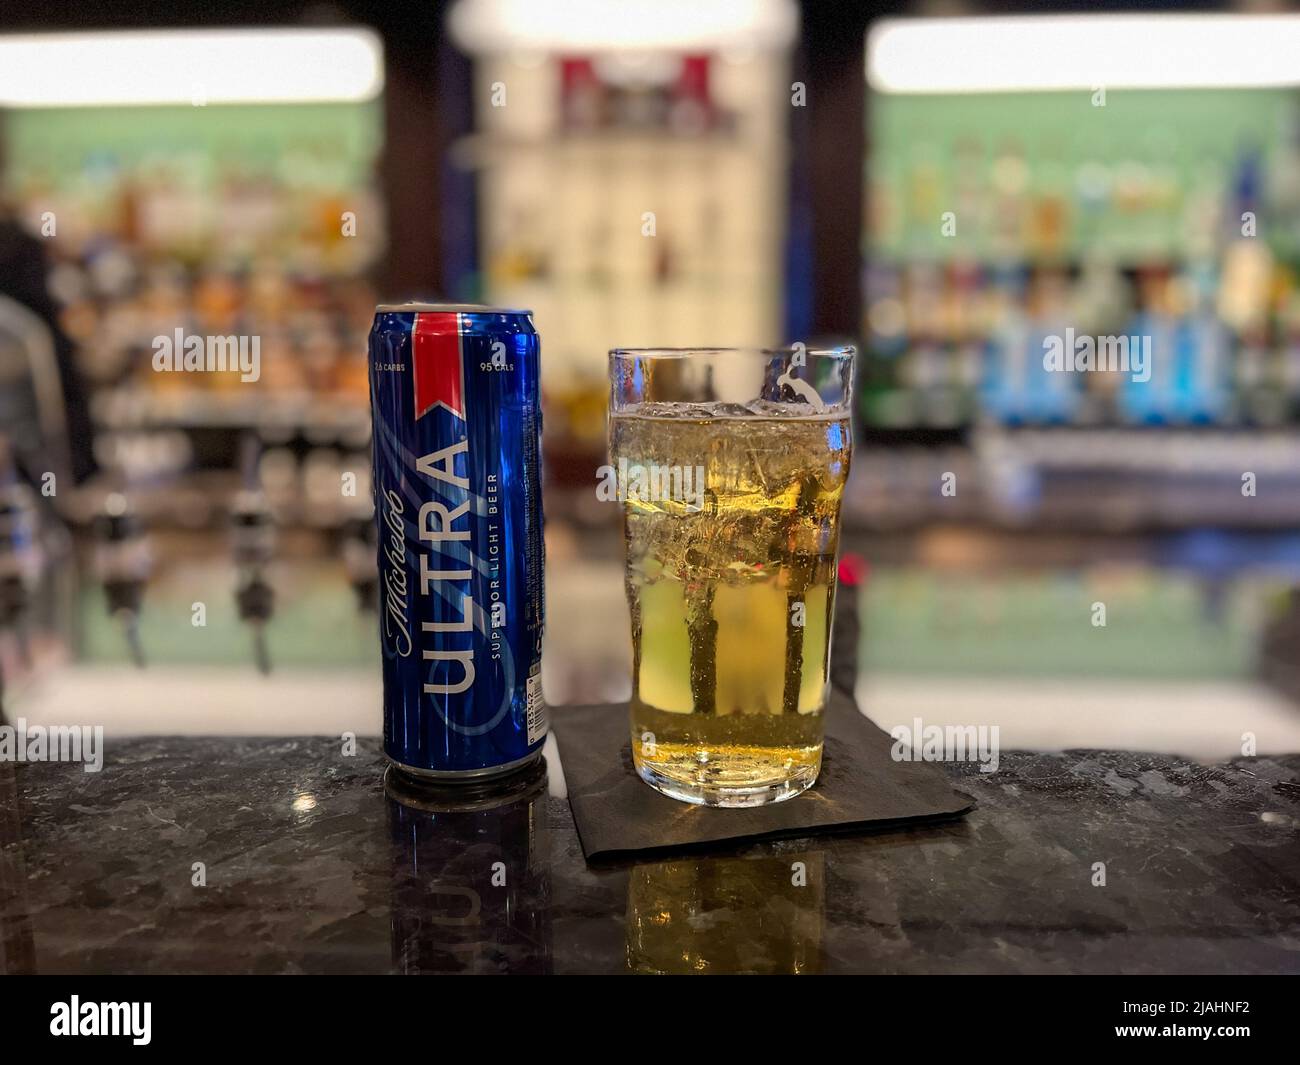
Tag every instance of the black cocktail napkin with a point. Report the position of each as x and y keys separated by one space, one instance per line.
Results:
x=860 y=787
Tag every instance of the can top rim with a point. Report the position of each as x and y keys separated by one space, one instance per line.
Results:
x=447 y=308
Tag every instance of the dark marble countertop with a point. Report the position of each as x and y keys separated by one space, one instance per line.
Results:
x=308 y=866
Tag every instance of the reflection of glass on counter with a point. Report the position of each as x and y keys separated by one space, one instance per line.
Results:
x=471 y=880
x=747 y=915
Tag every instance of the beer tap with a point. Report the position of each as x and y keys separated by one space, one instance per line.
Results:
x=848 y=624
x=20 y=560
x=123 y=560
x=254 y=546
x=15 y=542
x=360 y=541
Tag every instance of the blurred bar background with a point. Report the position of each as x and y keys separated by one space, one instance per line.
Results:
x=944 y=185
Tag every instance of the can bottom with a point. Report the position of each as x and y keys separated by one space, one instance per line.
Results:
x=466 y=776
x=465 y=796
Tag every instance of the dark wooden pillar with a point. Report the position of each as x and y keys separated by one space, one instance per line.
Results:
x=831 y=60
x=424 y=111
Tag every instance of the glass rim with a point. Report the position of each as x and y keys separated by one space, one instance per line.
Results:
x=834 y=352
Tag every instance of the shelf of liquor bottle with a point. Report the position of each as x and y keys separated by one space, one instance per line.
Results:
x=204 y=500
x=1107 y=481
x=1261 y=410
x=339 y=417
x=678 y=272
x=479 y=148
x=1122 y=252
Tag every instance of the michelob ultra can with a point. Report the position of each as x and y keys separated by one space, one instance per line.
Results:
x=454 y=400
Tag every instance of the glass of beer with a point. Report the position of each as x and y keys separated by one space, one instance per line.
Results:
x=730 y=465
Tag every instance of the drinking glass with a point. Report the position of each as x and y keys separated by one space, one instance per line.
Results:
x=730 y=465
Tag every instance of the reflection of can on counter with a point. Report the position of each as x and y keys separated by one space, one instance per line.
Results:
x=457 y=479
x=471 y=884
x=727 y=915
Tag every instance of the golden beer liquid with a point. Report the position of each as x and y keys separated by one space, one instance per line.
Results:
x=727 y=915
x=731 y=603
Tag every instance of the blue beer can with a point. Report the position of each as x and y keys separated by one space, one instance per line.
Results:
x=454 y=399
